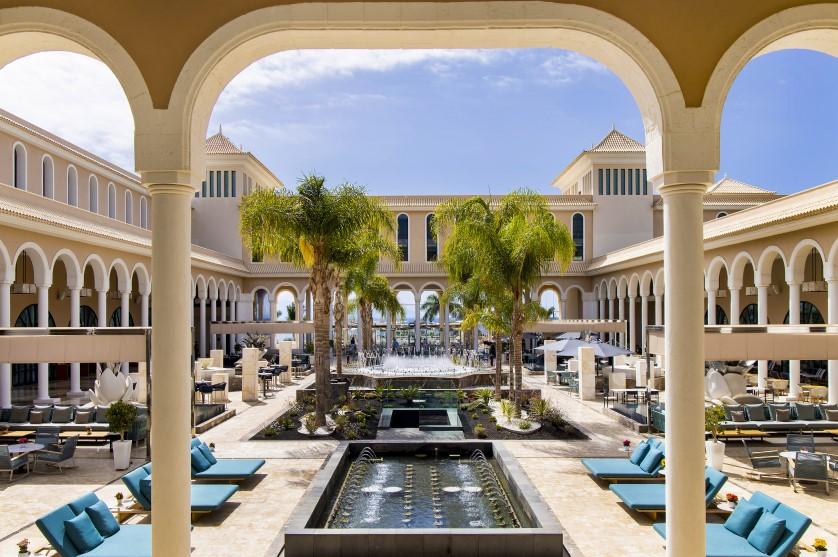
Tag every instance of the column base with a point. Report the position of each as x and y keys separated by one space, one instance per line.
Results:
x=76 y=394
x=43 y=401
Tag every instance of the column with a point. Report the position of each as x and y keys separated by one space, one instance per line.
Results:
x=5 y=322
x=832 y=318
x=563 y=308
x=389 y=340
x=611 y=318
x=300 y=319
x=794 y=319
x=602 y=308
x=762 y=319
x=621 y=337
x=711 y=307
x=213 y=317
x=124 y=299
x=418 y=320
x=202 y=325
x=734 y=305
x=684 y=286
x=658 y=310
x=75 y=367
x=43 y=321
x=171 y=198
x=102 y=306
x=632 y=325
x=644 y=320
x=144 y=310
x=443 y=325
x=223 y=338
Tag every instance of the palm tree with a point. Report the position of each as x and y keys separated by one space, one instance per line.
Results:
x=508 y=247
x=372 y=292
x=325 y=230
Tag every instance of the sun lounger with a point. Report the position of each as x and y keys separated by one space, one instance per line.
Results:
x=224 y=469
x=616 y=469
x=651 y=498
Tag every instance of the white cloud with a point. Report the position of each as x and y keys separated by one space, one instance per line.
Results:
x=503 y=81
x=75 y=97
x=569 y=67
x=298 y=67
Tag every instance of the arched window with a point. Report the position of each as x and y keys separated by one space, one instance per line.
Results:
x=47 y=177
x=116 y=318
x=403 y=236
x=809 y=314
x=19 y=167
x=129 y=207
x=721 y=316
x=72 y=186
x=143 y=212
x=749 y=315
x=111 y=201
x=28 y=317
x=88 y=317
x=721 y=214
x=93 y=194
x=431 y=250
x=577 y=225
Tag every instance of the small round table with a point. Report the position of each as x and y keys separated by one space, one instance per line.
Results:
x=25 y=448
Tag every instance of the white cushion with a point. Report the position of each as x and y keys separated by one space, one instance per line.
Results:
x=716 y=385
x=736 y=383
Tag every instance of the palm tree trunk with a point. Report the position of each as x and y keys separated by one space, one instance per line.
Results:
x=322 y=298
x=515 y=351
x=340 y=315
x=498 y=367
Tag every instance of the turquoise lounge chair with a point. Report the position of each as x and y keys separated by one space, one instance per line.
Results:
x=722 y=542
x=205 y=498
x=651 y=498
x=131 y=540
x=616 y=469
x=225 y=469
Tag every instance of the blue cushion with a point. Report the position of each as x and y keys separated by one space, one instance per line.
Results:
x=145 y=487
x=743 y=518
x=132 y=540
x=205 y=450
x=639 y=452
x=605 y=468
x=805 y=411
x=651 y=460
x=641 y=496
x=721 y=542
x=83 y=533
x=102 y=519
x=756 y=412
x=766 y=532
x=208 y=497
x=83 y=502
x=199 y=462
x=232 y=468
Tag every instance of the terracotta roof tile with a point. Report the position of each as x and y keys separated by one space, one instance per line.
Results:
x=220 y=144
x=729 y=185
x=617 y=142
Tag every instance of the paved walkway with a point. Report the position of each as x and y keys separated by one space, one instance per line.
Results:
x=251 y=524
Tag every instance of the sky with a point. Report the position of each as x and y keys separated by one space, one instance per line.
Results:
x=446 y=121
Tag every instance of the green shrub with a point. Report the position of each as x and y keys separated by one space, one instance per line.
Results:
x=480 y=431
x=309 y=423
x=474 y=416
x=121 y=417
x=554 y=417
x=498 y=427
x=493 y=419
x=340 y=422
x=351 y=432
x=507 y=409
x=269 y=431
x=287 y=424
x=485 y=394
x=539 y=408
x=524 y=424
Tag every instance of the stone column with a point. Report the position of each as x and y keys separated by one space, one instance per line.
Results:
x=683 y=193
x=202 y=326
x=75 y=367
x=644 y=320
x=389 y=340
x=144 y=310
x=563 y=308
x=443 y=328
x=300 y=319
x=102 y=306
x=658 y=310
x=794 y=319
x=213 y=317
x=762 y=319
x=734 y=305
x=632 y=340
x=224 y=318
x=171 y=198
x=611 y=318
x=602 y=308
x=5 y=322
x=621 y=315
x=124 y=299
x=711 y=307
x=418 y=320
x=832 y=318
x=43 y=368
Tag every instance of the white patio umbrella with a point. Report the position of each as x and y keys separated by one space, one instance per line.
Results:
x=570 y=348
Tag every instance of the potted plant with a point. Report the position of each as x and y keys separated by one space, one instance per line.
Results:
x=732 y=498
x=713 y=417
x=119 y=497
x=121 y=416
x=23 y=547
x=819 y=545
x=626 y=445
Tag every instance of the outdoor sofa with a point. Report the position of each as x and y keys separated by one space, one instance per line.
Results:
x=69 y=418
x=651 y=498
x=119 y=540
x=205 y=498
x=643 y=464
x=223 y=469
x=781 y=417
x=742 y=535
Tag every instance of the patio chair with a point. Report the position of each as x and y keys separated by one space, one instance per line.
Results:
x=11 y=464
x=48 y=436
x=617 y=469
x=809 y=467
x=59 y=458
x=224 y=469
x=766 y=463
x=800 y=442
x=651 y=498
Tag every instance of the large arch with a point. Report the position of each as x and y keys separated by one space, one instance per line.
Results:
x=7 y=269
x=600 y=35
x=797 y=259
x=40 y=263
x=143 y=278
x=201 y=287
x=711 y=276
x=75 y=277
x=646 y=282
x=762 y=272
x=736 y=271
x=100 y=271
x=123 y=276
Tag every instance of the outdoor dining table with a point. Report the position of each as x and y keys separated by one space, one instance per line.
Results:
x=636 y=393
x=25 y=448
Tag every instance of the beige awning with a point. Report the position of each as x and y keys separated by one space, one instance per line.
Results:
x=261 y=327
x=577 y=326
x=761 y=342
x=23 y=345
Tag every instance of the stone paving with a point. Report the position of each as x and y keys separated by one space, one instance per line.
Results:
x=251 y=524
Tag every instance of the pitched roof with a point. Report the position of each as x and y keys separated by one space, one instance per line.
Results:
x=220 y=144
x=617 y=142
x=729 y=185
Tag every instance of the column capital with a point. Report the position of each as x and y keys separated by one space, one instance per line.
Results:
x=124 y=292
x=683 y=181
x=152 y=178
x=43 y=285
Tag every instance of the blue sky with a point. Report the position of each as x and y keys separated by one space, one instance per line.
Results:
x=447 y=121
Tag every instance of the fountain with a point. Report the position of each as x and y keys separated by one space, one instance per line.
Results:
x=372 y=494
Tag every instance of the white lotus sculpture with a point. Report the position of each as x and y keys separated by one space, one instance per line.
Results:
x=111 y=386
